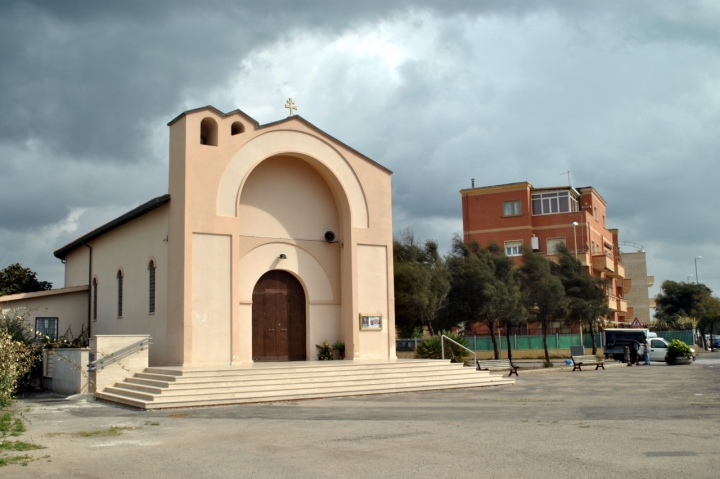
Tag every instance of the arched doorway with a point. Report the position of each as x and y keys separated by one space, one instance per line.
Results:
x=278 y=318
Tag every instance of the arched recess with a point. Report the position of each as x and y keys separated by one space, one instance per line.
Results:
x=299 y=262
x=328 y=161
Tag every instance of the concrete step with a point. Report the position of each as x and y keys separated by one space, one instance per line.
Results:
x=316 y=391
x=294 y=379
x=285 y=385
x=181 y=402
x=172 y=387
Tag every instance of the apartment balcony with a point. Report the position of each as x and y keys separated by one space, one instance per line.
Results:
x=619 y=271
x=630 y=311
x=626 y=285
x=651 y=282
x=603 y=262
x=651 y=302
x=617 y=304
x=622 y=306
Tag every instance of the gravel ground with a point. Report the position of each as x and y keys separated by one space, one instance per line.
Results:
x=625 y=422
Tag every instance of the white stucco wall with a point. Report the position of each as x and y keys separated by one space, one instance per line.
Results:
x=130 y=248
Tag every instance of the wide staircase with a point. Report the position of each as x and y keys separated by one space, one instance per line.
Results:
x=171 y=387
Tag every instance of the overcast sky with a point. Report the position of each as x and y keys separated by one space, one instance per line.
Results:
x=625 y=95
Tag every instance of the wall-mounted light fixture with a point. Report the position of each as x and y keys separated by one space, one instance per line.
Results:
x=282 y=256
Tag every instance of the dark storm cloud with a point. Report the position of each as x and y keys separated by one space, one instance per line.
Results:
x=623 y=94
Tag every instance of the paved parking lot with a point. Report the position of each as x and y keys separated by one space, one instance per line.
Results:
x=625 y=422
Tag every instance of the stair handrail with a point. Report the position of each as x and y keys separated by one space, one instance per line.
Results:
x=119 y=354
x=442 y=346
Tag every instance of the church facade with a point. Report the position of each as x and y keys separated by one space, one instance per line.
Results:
x=271 y=240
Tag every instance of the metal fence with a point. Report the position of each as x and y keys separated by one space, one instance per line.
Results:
x=530 y=342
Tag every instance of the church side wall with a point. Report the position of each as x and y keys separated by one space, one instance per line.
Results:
x=130 y=248
x=76 y=267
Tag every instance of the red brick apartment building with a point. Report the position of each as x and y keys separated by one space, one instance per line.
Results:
x=518 y=214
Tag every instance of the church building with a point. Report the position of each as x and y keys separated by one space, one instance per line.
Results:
x=271 y=239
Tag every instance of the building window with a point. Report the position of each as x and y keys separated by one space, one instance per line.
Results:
x=120 y=294
x=94 y=299
x=552 y=244
x=513 y=248
x=46 y=327
x=595 y=212
x=553 y=202
x=604 y=222
x=151 y=288
x=511 y=208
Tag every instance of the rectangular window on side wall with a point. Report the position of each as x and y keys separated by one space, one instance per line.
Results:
x=552 y=244
x=94 y=300
x=511 y=208
x=46 y=327
x=513 y=248
x=120 y=294
x=151 y=292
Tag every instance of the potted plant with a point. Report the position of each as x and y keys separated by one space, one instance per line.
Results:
x=339 y=346
x=678 y=353
x=325 y=351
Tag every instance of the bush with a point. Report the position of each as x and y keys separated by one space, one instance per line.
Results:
x=431 y=348
x=678 y=349
x=16 y=361
x=20 y=355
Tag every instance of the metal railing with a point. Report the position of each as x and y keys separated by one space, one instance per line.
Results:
x=442 y=346
x=119 y=354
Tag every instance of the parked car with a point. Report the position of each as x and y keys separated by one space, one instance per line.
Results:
x=658 y=349
x=716 y=342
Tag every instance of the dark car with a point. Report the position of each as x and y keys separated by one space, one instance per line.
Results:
x=716 y=343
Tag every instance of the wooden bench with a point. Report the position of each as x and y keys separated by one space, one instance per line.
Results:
x=496 y=364
x=579 y=361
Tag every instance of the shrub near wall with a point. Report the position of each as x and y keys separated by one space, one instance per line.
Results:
x=16 y=360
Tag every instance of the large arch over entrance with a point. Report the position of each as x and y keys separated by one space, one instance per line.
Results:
x=323 y=157
x=278 y=318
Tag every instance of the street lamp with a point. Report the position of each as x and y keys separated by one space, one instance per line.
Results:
x=575 y=223
x=696 y=276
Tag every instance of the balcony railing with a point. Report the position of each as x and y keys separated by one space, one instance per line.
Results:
x=603 y=261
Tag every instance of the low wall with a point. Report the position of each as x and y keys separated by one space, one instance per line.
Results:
x=69 y=371
x=125 y=367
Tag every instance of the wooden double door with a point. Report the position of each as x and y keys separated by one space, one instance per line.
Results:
x=278 y=318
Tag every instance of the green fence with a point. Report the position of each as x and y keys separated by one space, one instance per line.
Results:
x=562 y=341
x=684 y=336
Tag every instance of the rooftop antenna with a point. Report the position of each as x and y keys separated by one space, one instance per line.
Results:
x=566 y=173
x=472 y=182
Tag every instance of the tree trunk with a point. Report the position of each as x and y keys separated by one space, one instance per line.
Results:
x=702 y=337
x=509 y=348
x=592 y=335
x=544 y=331
x=491 y=325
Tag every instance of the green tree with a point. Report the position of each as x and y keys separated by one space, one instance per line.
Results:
x=543 y=293
x=422 y=283
x=484 y=288
x=586 y=294
x=17 y=279
x=680 y=300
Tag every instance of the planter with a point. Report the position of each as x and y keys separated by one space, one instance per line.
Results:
x=678 y=361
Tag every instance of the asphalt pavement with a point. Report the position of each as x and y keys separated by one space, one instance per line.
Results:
x=625 y=422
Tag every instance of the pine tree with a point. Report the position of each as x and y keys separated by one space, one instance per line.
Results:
x=586 y=294
x=543 y=293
